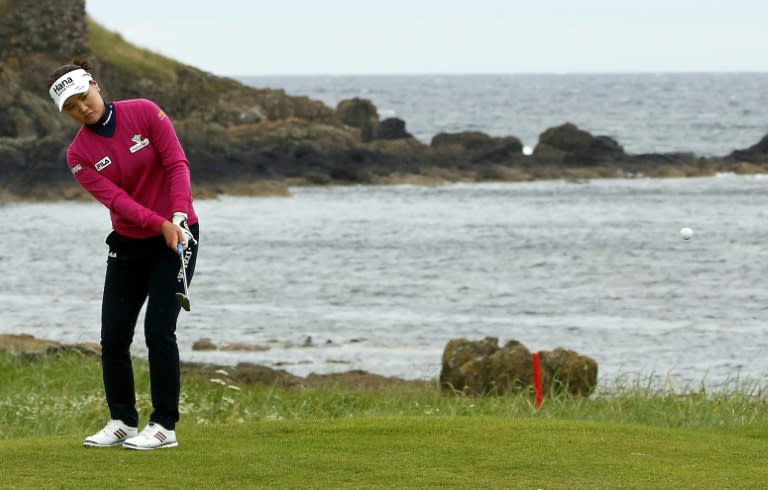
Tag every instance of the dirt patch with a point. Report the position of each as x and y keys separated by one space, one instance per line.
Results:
x=354 y=380
x=32 y=348
x=28 y=346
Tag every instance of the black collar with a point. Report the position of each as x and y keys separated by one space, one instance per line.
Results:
x=107 y=124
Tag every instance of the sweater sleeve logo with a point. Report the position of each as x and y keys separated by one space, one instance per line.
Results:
x=140 y=143
x=103 y=163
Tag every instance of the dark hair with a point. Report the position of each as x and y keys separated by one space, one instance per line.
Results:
x=75 y=64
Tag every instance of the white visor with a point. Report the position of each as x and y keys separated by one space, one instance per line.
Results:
x=69 y=84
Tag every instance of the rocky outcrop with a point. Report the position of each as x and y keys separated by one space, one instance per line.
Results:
x=235 y=134
x=757 y=153
x=474 y=141
x=56 y=27
x=482 y=367
x=392 y=128
x=361 y=114
x=569 y=145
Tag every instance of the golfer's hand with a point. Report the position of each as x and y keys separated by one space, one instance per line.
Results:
x=180 y=220
x=173 y=235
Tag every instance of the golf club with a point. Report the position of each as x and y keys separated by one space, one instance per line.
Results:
x=183 y=298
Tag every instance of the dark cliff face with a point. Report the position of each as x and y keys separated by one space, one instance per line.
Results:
x=53 y=27
x=36 y=37
x=33 y=35
x=218 y=119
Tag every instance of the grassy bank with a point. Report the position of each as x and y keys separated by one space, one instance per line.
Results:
x=403 y=435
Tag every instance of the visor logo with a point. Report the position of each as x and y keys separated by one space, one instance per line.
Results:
x=62 y=85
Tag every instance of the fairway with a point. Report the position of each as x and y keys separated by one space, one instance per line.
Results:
x=425 y=451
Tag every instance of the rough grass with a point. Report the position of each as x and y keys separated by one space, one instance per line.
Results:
x=62 y=393
x=144 y=64
x=404 y=435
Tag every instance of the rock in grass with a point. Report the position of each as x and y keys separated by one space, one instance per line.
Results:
x=482 y=367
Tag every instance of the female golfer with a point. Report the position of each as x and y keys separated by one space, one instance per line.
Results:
x=127 y=155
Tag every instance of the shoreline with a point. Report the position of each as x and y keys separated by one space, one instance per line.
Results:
x=428 y=177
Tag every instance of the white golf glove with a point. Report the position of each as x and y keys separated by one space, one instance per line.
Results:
x=180 y=219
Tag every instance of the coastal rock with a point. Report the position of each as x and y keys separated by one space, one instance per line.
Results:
x=567 y=144
x=475 y=141
x=361 y=114
x=392 y=128
x=403 y=148
x=481 y=367
x=483 y=147
x=757 y=153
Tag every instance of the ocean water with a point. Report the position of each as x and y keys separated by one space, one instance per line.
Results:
x=709 y=114
x=381 y=278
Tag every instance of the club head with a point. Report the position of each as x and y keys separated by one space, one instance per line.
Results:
x=183 y=300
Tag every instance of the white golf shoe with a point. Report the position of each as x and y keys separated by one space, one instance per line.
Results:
x=154 y=436
x=112 y=434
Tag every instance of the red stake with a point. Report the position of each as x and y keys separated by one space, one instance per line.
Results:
x=537 y=379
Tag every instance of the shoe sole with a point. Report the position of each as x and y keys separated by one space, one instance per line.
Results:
x=162 y=446
x=96 y=444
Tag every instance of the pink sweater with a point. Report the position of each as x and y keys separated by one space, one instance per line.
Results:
x=140 y=173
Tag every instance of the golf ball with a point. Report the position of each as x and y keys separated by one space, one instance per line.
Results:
x=686 y=233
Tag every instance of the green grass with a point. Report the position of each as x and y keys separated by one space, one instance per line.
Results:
x=396 y=452
x=141 y=62
x=254 y=436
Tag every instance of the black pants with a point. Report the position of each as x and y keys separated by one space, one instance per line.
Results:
x=139 y=271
